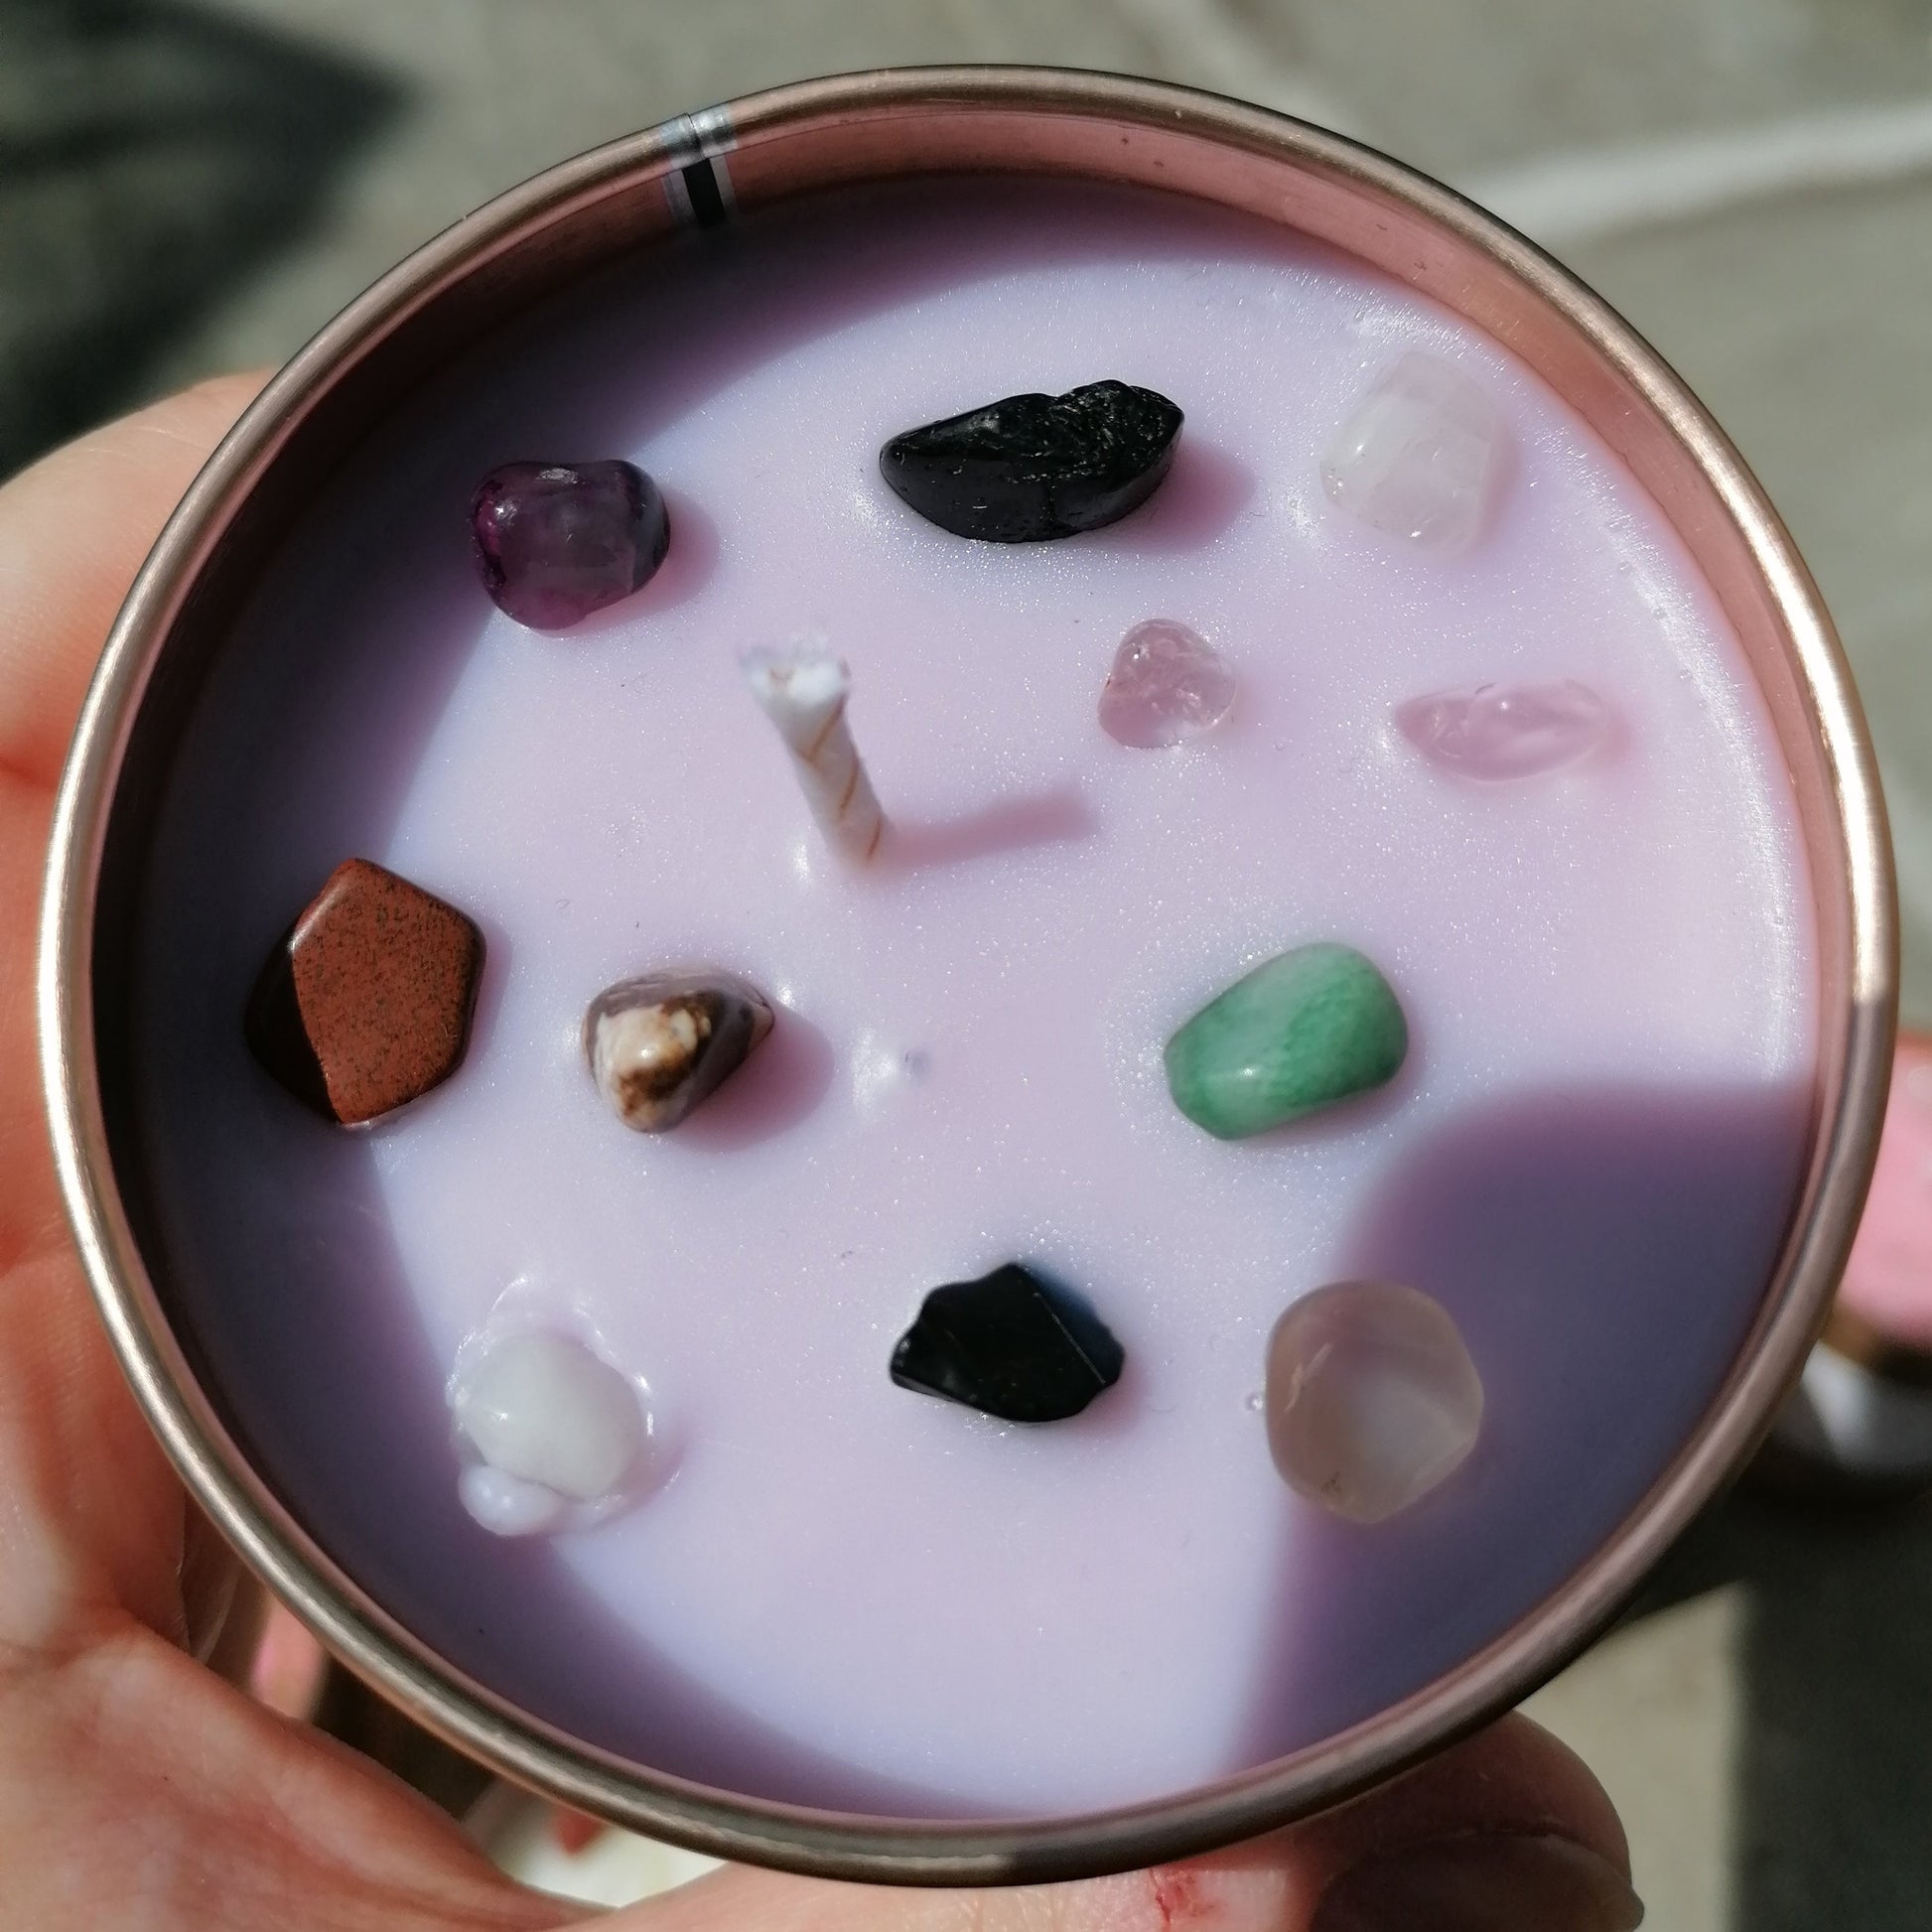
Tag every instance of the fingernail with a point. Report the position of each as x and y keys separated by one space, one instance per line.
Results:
x=1481 y=1882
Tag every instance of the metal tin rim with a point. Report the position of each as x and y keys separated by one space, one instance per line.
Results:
x=1856 y=1034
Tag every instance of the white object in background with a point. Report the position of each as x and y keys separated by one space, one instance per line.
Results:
x=1856 y=1423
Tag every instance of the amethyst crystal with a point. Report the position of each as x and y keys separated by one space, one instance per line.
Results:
x=556 y=542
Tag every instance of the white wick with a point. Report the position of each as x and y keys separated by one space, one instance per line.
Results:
x=804 y=691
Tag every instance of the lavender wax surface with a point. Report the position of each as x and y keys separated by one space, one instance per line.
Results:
x=829 y=1588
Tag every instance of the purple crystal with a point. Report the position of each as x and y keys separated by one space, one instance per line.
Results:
x=1506 y=731
x=556 y=542
x=1167 y=685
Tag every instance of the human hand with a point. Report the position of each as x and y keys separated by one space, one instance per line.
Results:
x=139 y=1790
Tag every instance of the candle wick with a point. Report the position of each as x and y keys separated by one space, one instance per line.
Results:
x=804 y=692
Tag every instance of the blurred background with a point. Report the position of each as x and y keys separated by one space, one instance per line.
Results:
x=189 y=188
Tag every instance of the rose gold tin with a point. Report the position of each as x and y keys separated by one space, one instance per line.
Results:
x=704 y=168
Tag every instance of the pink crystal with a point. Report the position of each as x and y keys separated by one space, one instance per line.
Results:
x=1167 y=685
x=1373 y=1399
x=1506 y=731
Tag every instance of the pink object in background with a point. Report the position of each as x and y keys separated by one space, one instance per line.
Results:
x=1888 y=1286
x=289 y=1666
x=1859 y=1423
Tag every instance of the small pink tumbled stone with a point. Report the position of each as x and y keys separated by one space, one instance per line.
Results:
x=1506 y=731
x=1169 y=684
x=1373 y=1399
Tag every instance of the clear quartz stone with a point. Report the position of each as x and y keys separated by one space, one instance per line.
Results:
x=1373 y=1399
x=1167 y=684
x=1506 y=731
x=545 y=1410
x=1421 y=456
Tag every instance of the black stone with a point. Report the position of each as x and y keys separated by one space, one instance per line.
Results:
x=1008 y=1346
x=1034 y=466
x=272 y=1025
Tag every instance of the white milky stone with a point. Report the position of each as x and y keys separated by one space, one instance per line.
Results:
x=1373 y=1399
x=544 y=1408
x=507 y=1505
x=1421 y=456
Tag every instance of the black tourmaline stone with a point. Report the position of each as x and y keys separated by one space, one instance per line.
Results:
x=1011 y=1346
x=1034 y=466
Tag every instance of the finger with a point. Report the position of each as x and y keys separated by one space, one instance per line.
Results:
x=135 y=1791
x=73 y=529
x=1505 y=1833
x=1513 y=1779
x=93 y=1520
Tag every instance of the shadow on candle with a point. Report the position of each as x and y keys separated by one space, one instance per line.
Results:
x=378 y=1487
x=1589 y=1244
x=780 y=1085
x=1205 y=496
x=1060 y=816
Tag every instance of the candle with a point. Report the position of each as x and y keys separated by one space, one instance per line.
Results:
x=1508 y=757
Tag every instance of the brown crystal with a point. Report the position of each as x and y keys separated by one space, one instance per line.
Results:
x=365 y=1002
x=660 y=1044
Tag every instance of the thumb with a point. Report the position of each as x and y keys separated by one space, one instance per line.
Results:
x=1507 y=1832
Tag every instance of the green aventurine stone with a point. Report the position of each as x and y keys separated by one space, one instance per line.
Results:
x=1305 y=1029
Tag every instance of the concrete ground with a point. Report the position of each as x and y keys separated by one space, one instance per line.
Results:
x=187 y=187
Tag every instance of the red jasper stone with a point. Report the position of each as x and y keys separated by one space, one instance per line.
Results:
x=365 y=1002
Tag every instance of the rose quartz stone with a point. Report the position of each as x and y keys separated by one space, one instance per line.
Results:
x=1506 y=731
